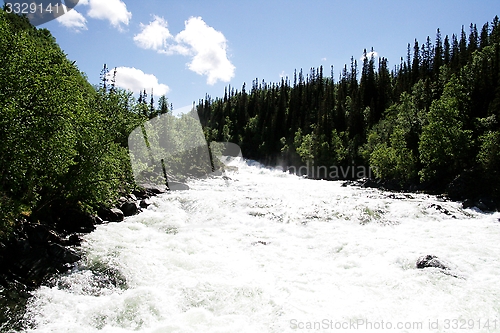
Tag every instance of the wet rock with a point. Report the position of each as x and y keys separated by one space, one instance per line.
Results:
x=176 y=186
x=141 y=194
x=468 y=203
x=74 y=240
x=129 y=208
x=62 y=254
x=445 y=211
x=98 y=220
x=144 y=203
x=40 y=234
x=431 y=261
x=371 y=183
x=261 y=243
x=111 y=214
x=486 y=204
x=71 y=220
x=153 y=189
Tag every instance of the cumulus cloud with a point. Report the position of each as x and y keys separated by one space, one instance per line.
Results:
x=135 y=80
x=115 y=11
x=369 y=55
x=209 y=50
x=73 y=20
x=154 y=35
x=206 y=46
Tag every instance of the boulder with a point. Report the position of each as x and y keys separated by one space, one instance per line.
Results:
x=40 y=234
x=176 y=186
x=62 y=254
x=71 y=220
x=111 y=214
x=486 y=204
x=431 y=261
x=371 y=183
x=152 y=189
x=141 y=194
x=129 y=208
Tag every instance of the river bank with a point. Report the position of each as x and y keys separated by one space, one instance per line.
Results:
x=38 y=250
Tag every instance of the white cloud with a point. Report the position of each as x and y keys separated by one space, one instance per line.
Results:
x=206 y=46
x=136 y=81
x=73 y=20
x=154 y=35
x=369 y=55
x=115 y=11
x=209 y=49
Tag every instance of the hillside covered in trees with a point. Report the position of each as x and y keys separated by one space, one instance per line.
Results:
x=63 y=142
x=431 y=121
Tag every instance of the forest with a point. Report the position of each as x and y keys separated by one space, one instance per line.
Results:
x=431 y=122
x=63 y=142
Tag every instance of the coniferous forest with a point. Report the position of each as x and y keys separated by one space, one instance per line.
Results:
x=429 y=122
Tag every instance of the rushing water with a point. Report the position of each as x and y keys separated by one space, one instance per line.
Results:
x=270 y=252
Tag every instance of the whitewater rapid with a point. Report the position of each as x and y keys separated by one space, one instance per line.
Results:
x=267 y=251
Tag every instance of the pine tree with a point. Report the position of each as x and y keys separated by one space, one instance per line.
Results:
x=104 y=78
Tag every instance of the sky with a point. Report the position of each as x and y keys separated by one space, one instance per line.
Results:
x=186 y=49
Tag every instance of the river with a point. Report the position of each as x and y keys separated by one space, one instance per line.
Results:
x=266 y=251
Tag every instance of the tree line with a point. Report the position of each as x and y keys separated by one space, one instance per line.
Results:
x=431 y=119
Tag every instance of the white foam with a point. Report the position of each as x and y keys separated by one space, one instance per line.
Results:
x=266 y=251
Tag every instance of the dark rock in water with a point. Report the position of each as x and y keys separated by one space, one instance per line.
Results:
x=63 y=254
x=371 y=183
x=431 y=261
x=153 y=189
x=216 y=173
x=141 y=194
x=467 y=203
x=98 y=220
x=40 y=234
x=261 y=242
x=176 y=186
x=442 y=210
x=72 y=220
x=129 y=208
x=486 y=204
x=74 y=240
x=111 y=214
x=144 y=203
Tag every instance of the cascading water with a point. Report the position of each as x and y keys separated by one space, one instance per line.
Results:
x=270 y=252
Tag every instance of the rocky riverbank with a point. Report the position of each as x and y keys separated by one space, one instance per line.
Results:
x=461 y=190
x=37 y=250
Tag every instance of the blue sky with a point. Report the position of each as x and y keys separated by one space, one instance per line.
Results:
x=188 y=48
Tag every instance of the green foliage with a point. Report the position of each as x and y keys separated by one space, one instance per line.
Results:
x=61 y=140
x=445 y=144
x=489 y=152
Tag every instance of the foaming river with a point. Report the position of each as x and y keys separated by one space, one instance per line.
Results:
x=270 y=252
